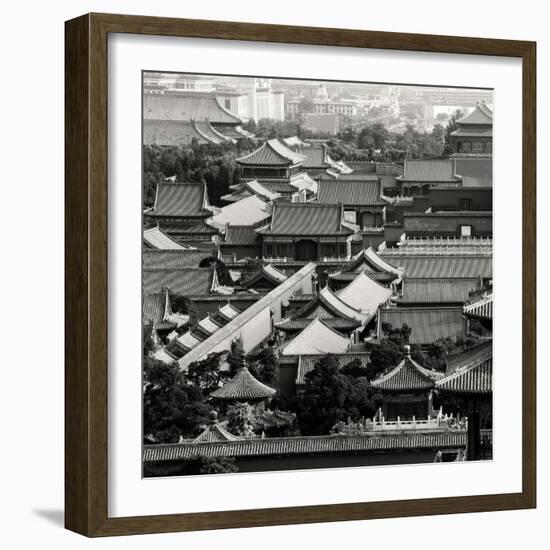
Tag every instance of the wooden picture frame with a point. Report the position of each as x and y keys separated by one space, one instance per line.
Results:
x=86 y=421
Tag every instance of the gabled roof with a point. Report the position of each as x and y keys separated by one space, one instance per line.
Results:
x=316 y=339
x=428 y=324
x=480 y=306
x=174 y=259
x=429 y=171
x=418 y=291
x=452 y=266
x=307 y=219
x=180 y=199
x=365 y=294
x=480 y=166
x=408 y=375
x=330 y=308
x=157 y=310
x=350 y=192
x=240 y=235
x=470 y=371
x=243 y=387
x=215 y=431
x=306 y=363
x=480 y=115
x=187 y=106
x=272 y=153
x=267 y=272
x=183 y=282
x=367 y=261
x=205 y=129
x=155 y=238
x=249 y=211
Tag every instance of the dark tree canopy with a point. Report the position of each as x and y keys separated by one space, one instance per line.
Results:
x=171 y=407
x=191 y=466
x=330 y=396
x=206 y=374
x=264 y=365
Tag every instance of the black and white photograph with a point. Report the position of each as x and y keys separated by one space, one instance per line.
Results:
x=317 y=274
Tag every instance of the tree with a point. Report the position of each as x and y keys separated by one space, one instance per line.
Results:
x=171 y=407
x=306 y=105
x=191 y=467
x=185 y=306
x=390 y=351
x=264 y=365
x=224 y=277
x=449 y=148
x=240 y=420
x=236 y=356
x=330 y=396
x=206 y=374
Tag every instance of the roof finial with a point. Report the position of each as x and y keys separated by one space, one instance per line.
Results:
x=213 y=417
x=407 y=349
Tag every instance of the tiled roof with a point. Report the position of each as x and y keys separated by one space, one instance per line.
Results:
x=170 y=132
x=249 y=211
x=306 y=363
x=315 y=157
x=180 y=199
x=275 y=446
x=365 y=294
x=157 y=310
x=173 y=259
x=437 y=290
x=368 y=261
x=474 y=166
x=272 y=153
x=269 y=272
x=223 y=337
x=156 y=238
x=350 y=192
x=215 y=432
x=183 y=282
x=473 y=132
x=243 y=387
x=407 y=376
x=480 y=115
x=480 y=306
x=471 y=356
x=336 y=323
x=205 y=130
x=316 y=338
x=429 y=171
x=248 y=188
x=186 y=106
x=307 y=219
x=444 y=266
x=428 y=324
x=474 y=378
x=241 y=235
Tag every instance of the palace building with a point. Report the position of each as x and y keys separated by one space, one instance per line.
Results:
x=474 y=135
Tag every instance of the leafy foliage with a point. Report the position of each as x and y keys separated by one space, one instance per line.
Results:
x=206 y=374
x=331 y=396
x=264 y=365
x=171 y=407
x=240 y=420
x=185 y=306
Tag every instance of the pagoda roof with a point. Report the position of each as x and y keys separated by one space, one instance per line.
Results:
x=351 y=192
x=249 y=211
x=437 y=290
x=472 y=131
x=187 y=106
x=157 y=239
x=408 y=375
x=307 y=219
x=174 y=259
x=443 y=266
x=480 y=115
x=306 y=363
x=428 y=324
x=243 y=387
x=365 y=294
x=316 y=339
x=215 y=432
x=189 y=281
x=319 y=444
x=272 y=153
x=180 y=200
x=267 y=272
x=429 y=171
